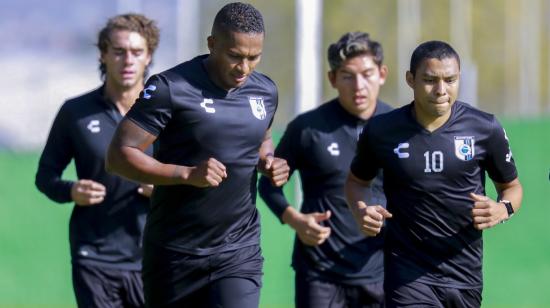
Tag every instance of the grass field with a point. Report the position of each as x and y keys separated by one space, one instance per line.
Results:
x=34 y=252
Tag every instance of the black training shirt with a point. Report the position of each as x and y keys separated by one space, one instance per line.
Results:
x=427 y=180
x=321 y=144
x=108 y=234
x=194 y=120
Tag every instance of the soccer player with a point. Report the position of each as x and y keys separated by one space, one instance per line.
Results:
x=335 y=264
x=211 y=119
x=107 y=222
x=434 y=153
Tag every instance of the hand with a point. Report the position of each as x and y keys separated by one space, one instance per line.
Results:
x=370 y=218
x=145 y=189
x=276 y=169
x=308 y=229
x=208 y=173
x=487 y=212
x=87 y=192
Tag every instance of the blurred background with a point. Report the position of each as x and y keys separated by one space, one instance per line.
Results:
x=49 y=54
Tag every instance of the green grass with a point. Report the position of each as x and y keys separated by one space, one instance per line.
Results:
x=34 y=247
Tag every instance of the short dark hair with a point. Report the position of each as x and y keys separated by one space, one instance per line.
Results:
x=238 y=17
x=432 y=50
x=354 y=44
x=134 y=23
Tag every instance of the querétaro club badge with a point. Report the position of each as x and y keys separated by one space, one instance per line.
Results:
x=257 y=106
x=464 y=147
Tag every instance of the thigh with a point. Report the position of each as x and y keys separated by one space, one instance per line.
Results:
x=365 y=296
x=234 y=292
x=93 y=288
x=132 y=289
x=411 y=295
x=462 y=298
x=312 y=292
x=170 y=277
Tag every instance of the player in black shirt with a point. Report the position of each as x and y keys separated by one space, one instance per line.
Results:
x=106 y=226
x=211 y=119
x=434 y=153
x=335 y=264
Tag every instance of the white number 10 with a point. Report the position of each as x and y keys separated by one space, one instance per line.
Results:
x=436 y=162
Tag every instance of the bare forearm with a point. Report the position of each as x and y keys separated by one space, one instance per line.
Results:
x=290 y=215
x=135 y=165
x=512 y=192
x=355 y=191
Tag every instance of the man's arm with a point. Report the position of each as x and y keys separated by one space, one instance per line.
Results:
x=487 y=212
x=370 y=218
x=276 y=169
x=307 y=226
x=126 y=157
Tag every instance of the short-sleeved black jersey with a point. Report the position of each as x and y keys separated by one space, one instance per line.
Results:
x=108 y=234
x=194 y=120
x=427 y=180
x=321 y=144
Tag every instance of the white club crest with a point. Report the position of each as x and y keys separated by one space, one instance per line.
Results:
x=465 y=147
x=257 y=106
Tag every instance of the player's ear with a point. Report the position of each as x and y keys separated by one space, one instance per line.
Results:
x=383 y=74
x=410 y=79
x=210 y=41
x=332 y=77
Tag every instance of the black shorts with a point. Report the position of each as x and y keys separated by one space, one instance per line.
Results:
x=418 y=294
x=96 y=286
x=228 y=279
x=315 y=292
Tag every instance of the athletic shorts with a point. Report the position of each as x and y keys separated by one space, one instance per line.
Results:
x=317 y=293
x=96 y=286
x=226 y=279
x=418 y=294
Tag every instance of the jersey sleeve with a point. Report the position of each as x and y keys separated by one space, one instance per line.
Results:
x=364 y=164
x=500 y=163
x=287 y=149
x=275 y=97
x=57 y=154
x=153 y=109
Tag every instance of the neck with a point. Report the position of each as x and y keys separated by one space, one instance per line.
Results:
x=122 y=97
x=211 y=72
x=430 y=123
x=367 y=114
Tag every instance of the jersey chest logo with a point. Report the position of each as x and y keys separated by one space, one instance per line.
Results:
x=258 y=107
x=93 y=126
x=333 y=149
x=150 y=88
x=464 y=147
x=208 y=101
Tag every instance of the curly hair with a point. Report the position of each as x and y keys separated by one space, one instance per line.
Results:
x=354 y=44
x=238 y=17
x=146 y=27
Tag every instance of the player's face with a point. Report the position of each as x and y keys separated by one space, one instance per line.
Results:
x=233 y=57
x=126 y=58
x=358 y=82
x=435 y=87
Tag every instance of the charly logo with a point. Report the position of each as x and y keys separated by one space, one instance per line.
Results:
x=93 y=126
x=208 y=101
x=399 y=150
x=333 y=149
x=151 y=88
x=258 y=107
x=464 y=147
